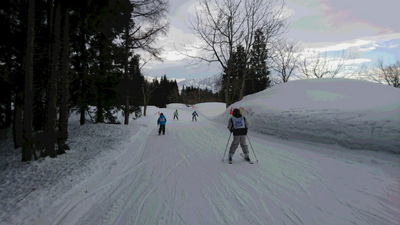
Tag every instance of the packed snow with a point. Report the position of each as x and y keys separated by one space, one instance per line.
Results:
x=301 y=133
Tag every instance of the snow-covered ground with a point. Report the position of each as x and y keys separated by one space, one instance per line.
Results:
x=117 y=174
x=351 y=113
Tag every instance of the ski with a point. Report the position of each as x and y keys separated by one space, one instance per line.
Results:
x=244 y=157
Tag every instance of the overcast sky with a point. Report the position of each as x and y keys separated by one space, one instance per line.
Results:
x=367 y=29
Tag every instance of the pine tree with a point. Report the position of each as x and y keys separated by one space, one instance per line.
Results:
x=258 y=78
x=234 y=74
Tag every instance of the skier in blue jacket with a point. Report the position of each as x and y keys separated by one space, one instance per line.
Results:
x=161 y=121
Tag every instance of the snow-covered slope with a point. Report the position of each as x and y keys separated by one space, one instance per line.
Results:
x=117 y=174
x=203 y=82
x=352 y=113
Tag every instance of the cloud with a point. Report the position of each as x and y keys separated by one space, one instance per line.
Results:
x=362 y=44
x=360 y=51
x=339 y=20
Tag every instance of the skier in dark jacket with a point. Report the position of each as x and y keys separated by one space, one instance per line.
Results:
x=194 y=116
x=237 y=125
x=161 y=121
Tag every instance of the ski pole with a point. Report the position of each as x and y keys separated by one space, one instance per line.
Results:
x=252 y=147
x=226 y=146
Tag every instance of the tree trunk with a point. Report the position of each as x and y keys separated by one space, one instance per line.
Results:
x=127 y=108
x=227 y=84
x=99 y=113
x=243 y=85
x=8 y=110
x=126 y=67
x=82 y=116
x=51 y=103
x=83 y=74
x=64 y=86
x=17 y=124
x=28 y=90
x=144 y=100
x=101 y=76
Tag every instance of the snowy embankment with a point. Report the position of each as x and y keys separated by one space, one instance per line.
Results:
x=22 y=184
x=351 y=113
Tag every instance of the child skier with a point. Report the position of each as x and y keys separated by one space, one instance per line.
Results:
x=176 y=114
x=194 y=114
x=161 y=121
x=237 y=125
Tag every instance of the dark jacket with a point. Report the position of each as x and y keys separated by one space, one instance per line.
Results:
x=237 y=124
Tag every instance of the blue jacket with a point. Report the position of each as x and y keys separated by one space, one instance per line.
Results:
x=162 y=120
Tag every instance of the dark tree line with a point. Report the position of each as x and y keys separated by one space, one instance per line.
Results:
x=62 y=56
x=165 y=92
x=192 y=95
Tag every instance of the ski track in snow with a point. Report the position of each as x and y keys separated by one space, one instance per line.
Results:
x=178 y=178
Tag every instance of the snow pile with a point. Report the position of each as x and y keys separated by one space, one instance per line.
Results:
x=351 y=113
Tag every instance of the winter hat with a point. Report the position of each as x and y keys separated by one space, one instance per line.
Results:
x=161 y=114
x=236 y=113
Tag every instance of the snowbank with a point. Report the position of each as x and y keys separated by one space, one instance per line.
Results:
x=21 y=183
x=351 y=113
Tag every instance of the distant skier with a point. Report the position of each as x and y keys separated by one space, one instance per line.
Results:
x=176 y=114
x=194 y=116
x=161 y=121
x=237 y=125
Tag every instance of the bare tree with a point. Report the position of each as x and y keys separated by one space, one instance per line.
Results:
x=147 y=24
x=141 y=32
x=389 y=74
x=316 y=65
x=222 y=25
x=285 y=59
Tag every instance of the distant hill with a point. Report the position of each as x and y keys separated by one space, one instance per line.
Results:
x=203 y=82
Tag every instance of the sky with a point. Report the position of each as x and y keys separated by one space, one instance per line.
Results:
x=367 y=29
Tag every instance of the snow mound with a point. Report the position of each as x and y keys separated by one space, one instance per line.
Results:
x=351 y=113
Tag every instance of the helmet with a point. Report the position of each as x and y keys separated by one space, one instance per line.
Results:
x=236 y=113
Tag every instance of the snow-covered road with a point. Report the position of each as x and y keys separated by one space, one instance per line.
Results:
x=179 y=178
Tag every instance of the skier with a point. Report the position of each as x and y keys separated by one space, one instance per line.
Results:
x=176 y=115
x=194 y=114
x=161 y=121
x=237 y=125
